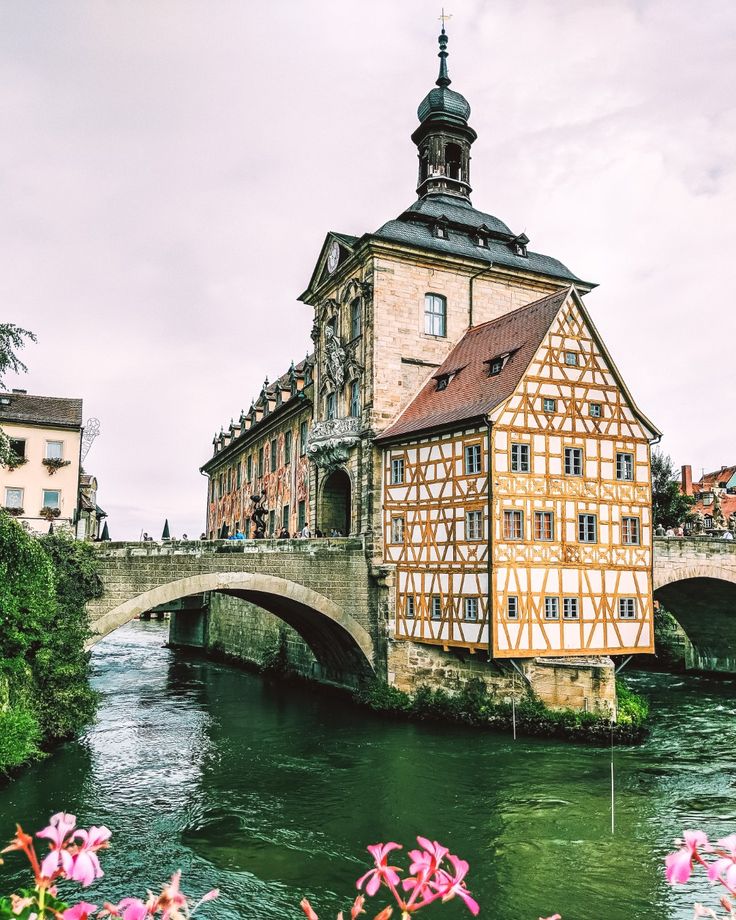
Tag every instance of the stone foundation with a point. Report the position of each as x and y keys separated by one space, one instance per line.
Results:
x=586 y=684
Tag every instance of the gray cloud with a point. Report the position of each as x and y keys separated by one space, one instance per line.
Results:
x=169 y=170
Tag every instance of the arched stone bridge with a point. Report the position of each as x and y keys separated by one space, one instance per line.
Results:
x=329 y=592
x=695 y=580
x=325 y=589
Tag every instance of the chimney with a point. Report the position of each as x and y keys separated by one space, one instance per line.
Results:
x=21 y=392
x=687 y=480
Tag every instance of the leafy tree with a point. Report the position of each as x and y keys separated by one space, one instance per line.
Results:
x=670 y=507
x=12 y=339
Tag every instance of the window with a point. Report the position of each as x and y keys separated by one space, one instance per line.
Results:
x=410 y=607
x=303 y=429
x=595 y=410
x=549 y=405
x=439 y=230
x=18 y=448
x=512 y=607
x=436 y=607
x=287 y=448
x=573 y=461
x=220 y=485
x=397 y=529
x=630 y=531
x=571 y=358
x=519 y=458
x=551 y=608
x=442 y=381
x=249 y=467
x=14 y=498
x=213 y=489
x=274 y=455
x=301 y=515
x=435 y=315
x=587 y=528
x=238 y=475
x=625 y=467
x=513 y=525
x=627 y=608
x=331 y=405
x=355 y=399
x=397 y=471
x=54 y=450
x=472 y=459
x=544 y=525
x=471 y=609
x=496 y=366
x=51 y=498
x=229 y=480
x=261 y=466
x=355 y=318
x=285 y=517
x=271 y=523
x=570 y=609
x=473 y=525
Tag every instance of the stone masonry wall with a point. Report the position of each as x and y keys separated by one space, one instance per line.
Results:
x=582 y=684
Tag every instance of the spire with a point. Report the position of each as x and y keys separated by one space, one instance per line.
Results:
x=444 y=78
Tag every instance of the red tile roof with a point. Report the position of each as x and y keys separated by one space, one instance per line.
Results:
x=471 y=393
x=718 y=478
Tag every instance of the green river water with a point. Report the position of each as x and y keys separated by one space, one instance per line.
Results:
x=272 y=792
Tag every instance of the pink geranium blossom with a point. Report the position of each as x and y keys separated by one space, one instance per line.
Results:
x=86 y=866
x=679 y=865
x=58 y=832
x=382 y=871
x=80 y=911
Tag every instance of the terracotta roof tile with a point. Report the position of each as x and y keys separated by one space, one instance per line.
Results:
x=472 y=393
x=41 y=410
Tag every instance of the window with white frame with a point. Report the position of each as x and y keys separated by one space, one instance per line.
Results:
x=397 y=529
x=573 y=461
x=513 y=525
x=627 y=608
x=519 y=458
x=13 y=498
x=435 y=315
x=472 y=459
x=436 y=607
x=625 y=467
x=471 y=609
x=551 y=608
x=630 y=531
x=544 y=525
x=595 y=410
x=512 y=607
x=588 y=528
x=570 y=608
x=54 y=450
x=473 y=525
x=51 y=498
x=571 y=358
x=410 y=610
x=397 y=471
x=549 y=405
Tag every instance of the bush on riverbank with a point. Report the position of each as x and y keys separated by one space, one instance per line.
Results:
x=44 y=692
x=475 y=705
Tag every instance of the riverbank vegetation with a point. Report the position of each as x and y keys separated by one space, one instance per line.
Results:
x=45 y=695
x=474 y=705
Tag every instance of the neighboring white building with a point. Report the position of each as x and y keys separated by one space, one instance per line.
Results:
x=42 y=484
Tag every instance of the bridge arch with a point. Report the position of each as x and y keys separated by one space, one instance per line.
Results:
x=338 y=641
x=701 y=596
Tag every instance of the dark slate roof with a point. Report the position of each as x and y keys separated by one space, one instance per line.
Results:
x=472 y=393
x=41 y=410
x=443 y=101
x=415 y=228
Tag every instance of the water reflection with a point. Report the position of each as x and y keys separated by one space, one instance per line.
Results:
x=271 y=793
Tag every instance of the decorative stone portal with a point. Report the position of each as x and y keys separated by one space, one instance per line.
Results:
x=335 y=504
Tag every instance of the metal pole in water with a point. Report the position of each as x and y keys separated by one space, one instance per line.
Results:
x=513 y=702
x=613 y=790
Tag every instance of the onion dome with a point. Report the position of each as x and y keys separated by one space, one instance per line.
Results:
x=443 y=102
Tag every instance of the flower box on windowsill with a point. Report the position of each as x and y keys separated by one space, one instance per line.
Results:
x=14 y=511
x=50 y=513
x=14 y=462
x=53 y=464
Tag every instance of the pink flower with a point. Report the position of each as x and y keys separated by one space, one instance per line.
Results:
x=132 y=909
x=382 y=872
x=357 y=907
x=447 y=886
x=553 y=917
x=86 y=867
x=59 y=858
x=79 y=912
x=728 y=843
x=428 y=858
x=723 y=870
x=307 y=908
x=680 y=863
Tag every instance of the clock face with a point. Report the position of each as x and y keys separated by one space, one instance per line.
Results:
x=333 y=256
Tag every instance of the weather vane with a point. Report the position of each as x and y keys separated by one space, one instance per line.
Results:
x=444 y=17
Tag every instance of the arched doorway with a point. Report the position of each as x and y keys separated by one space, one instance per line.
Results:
x=335 y=504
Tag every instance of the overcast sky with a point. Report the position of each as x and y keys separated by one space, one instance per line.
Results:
x=169 y=169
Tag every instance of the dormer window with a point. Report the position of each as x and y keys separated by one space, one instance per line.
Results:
x=497 y=364
x=481 y=240
x=519 y=244
x=520 y=249
x=442 y=381
x=439 y=229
